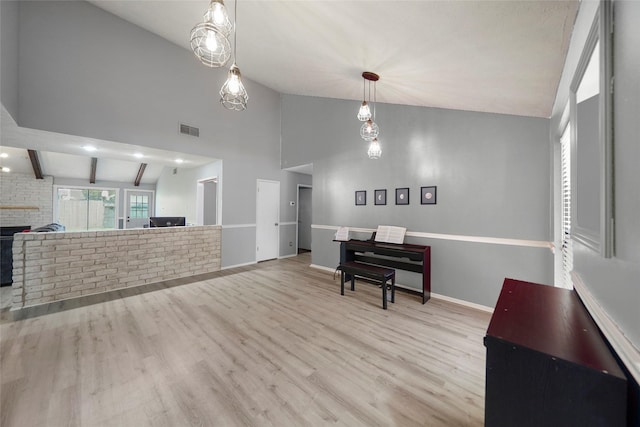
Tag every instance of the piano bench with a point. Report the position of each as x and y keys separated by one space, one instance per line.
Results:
x=381 y=274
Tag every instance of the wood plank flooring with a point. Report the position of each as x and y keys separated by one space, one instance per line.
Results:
x=268 y=345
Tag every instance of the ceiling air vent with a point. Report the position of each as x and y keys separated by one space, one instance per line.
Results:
x=189 y=130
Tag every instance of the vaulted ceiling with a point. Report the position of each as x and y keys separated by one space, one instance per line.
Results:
x=478 y=55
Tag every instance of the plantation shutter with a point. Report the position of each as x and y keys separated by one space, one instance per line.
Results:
x=567 y=249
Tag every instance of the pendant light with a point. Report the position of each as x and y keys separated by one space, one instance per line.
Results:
x=369 y=130
x=210 y=38
x=233 y=95
x=364 y=113
x=375 y=151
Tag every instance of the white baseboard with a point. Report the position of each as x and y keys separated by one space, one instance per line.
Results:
x=287 y=256
x=462 y=302
x=435 y=296
x=238 y=265
x=626 y=351
x=228 y=226
x=322 y=267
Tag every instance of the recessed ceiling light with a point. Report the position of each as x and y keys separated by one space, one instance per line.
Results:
x=5 y=169
x=4 y=155
x=179 y=161
x=138 y=155
x=89 y=148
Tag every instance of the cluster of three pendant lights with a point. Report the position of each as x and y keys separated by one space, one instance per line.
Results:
x=370 y=130
x=210 y=43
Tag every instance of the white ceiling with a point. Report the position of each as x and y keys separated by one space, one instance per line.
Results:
x=478 y=55
x=63 y=156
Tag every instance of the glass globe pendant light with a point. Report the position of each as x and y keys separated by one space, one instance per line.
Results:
x=369 y=129
x=210 y=38
x=375 y=151
x=364 y=113
x=233 y=95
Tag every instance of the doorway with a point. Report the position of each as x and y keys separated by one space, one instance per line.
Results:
x=267 y=220
x=304 y=218
x=207 y=207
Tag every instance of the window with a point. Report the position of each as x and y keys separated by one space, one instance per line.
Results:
x=565 y=183
x=83 y=209
x=138 y=206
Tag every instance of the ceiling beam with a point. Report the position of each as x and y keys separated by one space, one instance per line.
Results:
x=35 y=164
x=143 y=166
x=94 y=165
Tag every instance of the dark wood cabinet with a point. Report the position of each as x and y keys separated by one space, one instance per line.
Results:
x=547 y=363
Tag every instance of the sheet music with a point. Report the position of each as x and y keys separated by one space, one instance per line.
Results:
x=342 y=234
x=390 y=234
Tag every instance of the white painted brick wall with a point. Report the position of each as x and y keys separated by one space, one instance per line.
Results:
x=54 y=266
x=24 y=190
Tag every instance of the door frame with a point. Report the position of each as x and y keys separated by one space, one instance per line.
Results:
x=125 y=204
x=298 y=211
x=258 y=181
x=200 y=200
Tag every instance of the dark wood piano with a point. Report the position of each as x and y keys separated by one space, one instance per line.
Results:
x=408 y=257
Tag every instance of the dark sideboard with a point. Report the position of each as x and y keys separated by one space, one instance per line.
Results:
x=548 y=364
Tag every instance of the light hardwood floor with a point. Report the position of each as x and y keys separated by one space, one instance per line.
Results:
x=271 y=344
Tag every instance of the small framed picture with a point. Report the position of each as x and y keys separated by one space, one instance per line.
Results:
x=402 y=196
x=380 y=197
x=361 y=198
x=428 y=195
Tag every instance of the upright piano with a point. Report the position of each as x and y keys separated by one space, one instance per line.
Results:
x=408 y=257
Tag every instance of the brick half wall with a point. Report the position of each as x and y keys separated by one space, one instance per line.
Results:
x=50 y=267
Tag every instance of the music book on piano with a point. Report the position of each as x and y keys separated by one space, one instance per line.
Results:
x=390 y=234
x=342 y=234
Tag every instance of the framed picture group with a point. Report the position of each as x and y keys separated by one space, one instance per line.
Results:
x=427 y=196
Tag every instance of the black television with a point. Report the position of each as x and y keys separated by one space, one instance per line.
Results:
x=167 y=221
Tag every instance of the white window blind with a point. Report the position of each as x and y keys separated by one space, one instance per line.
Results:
x=567 y=248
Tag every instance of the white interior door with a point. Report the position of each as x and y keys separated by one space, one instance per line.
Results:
x=267 y=220
x=138 y=208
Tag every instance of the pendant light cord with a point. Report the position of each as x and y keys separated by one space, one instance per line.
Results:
x=374 y=101
x=235 y=24
x=364 y=90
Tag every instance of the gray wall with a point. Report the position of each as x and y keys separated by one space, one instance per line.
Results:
x=492 y=172
x=86 y=72
x=615 y=281
x=9 y=56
